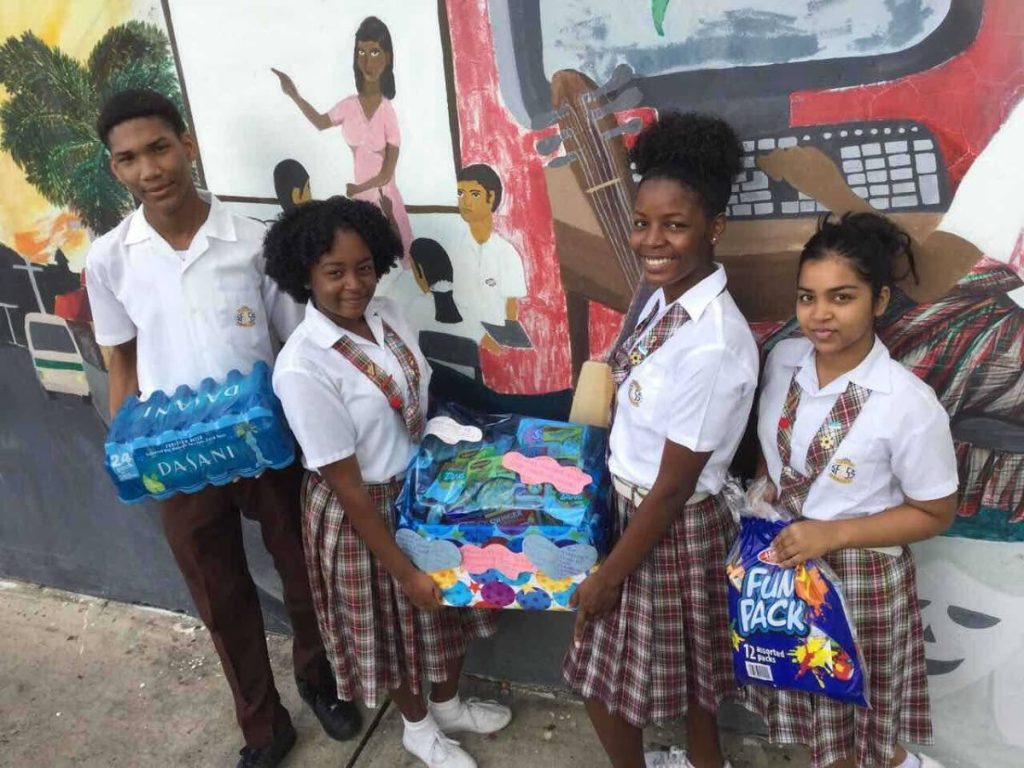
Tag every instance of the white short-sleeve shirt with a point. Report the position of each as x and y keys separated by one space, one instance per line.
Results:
x=696 y=390
x=899 y=447
x=333 y=408
x=194 y=316
x=485 y=276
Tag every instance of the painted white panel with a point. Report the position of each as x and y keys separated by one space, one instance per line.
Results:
x=246 y=125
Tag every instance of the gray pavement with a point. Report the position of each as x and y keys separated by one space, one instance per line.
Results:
x=90 y=683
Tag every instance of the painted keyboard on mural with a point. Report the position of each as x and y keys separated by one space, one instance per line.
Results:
x=197 y=437
x=893 y=165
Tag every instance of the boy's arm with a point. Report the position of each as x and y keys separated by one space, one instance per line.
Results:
x=123 y=375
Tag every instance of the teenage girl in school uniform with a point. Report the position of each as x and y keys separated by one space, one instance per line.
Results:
x=652 y=629
x=353 y=384
x=860 y=449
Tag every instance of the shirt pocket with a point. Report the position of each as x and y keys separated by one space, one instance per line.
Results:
x=239 y=312
x=644 y=388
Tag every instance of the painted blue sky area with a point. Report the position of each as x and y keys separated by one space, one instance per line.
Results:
x=719 y=34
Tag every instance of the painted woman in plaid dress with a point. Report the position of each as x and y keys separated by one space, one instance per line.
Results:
x=860 y=448
x=652 y=633
x=353 y=384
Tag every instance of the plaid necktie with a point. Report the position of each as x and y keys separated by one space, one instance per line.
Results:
x=794 y=487
x=409 y=409
x=642 y=343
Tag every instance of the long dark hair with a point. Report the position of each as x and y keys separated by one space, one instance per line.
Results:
x=373 y=30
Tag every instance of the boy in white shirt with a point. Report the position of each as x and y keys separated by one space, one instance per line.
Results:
x=178 y=293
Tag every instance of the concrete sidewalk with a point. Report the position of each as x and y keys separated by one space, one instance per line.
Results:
x=91 y=683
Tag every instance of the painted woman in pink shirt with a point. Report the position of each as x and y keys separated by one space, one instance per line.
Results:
x=368 y=123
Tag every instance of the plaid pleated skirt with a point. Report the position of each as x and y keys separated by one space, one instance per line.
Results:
x=881 y=599
x=668 y=640
x=375 y=639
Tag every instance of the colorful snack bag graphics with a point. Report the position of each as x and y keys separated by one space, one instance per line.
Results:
x=197 y=437
x=506 y=511
x=789 y=626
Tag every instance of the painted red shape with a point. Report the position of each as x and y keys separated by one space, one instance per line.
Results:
x=963 y=101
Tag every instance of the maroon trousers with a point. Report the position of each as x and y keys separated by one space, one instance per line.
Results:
x=204 y=531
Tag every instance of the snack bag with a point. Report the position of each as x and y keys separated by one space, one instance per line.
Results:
x=789 y=626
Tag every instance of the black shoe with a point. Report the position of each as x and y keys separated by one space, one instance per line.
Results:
x=341 y=720
x=271 y=755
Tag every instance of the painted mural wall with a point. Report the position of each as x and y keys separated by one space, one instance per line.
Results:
x=512 y=194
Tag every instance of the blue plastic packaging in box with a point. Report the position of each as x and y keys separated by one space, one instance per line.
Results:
x=182 y=442
x=789 y=626
x=506 y=511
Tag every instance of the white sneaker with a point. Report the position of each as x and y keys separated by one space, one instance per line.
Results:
x=438 y=751
x=474 y=716
x=673 y=758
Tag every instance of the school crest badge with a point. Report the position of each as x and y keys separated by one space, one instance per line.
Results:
x=842 y=471
x=636 y=393
x=245 y=317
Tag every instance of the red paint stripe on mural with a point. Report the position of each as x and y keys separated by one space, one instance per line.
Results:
x=963 y=101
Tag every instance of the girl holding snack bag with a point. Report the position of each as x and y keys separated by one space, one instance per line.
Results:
x=652 y=641
x=353 y=384
x=860 y=450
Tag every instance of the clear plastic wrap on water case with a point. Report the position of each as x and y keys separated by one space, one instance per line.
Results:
x=192 y=438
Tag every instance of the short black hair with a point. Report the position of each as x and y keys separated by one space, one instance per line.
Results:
x=432 y=259
x=873 y=244
x=701 y=152
x=486 y=177
x=288 y=175
x=373 y=30
x=135 y=103
x=300 y=237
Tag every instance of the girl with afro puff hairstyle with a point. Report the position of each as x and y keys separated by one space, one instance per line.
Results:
x=353 y=383
x=652 y=634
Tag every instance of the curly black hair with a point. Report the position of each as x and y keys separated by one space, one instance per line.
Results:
x=873 y=244
x=300 y=237
x=701 y=152
x=134 y=103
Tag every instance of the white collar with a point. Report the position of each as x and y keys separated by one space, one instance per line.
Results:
x=218 y=224
x=696 y=299
x=325 y=332
x=873 y=372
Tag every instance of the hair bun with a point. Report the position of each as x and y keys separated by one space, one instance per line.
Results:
x=701 y=151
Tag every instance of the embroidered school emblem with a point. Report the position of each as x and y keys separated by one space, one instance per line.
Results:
x=245 y=317
x=636 y=393
x=842 y=471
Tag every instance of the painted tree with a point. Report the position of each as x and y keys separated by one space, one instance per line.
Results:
x=48 y=121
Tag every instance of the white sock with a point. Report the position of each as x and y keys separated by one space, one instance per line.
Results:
x=910 y=761
x=420 y=731
x=450 y=707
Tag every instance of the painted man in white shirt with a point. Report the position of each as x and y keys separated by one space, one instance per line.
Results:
x=489 y=279
x=178 y=293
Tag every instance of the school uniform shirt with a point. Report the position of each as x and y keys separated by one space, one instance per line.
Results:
x=485 y=276
x=696 y=390
x=197 y=313
x=899 y=447
x=333 y=408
